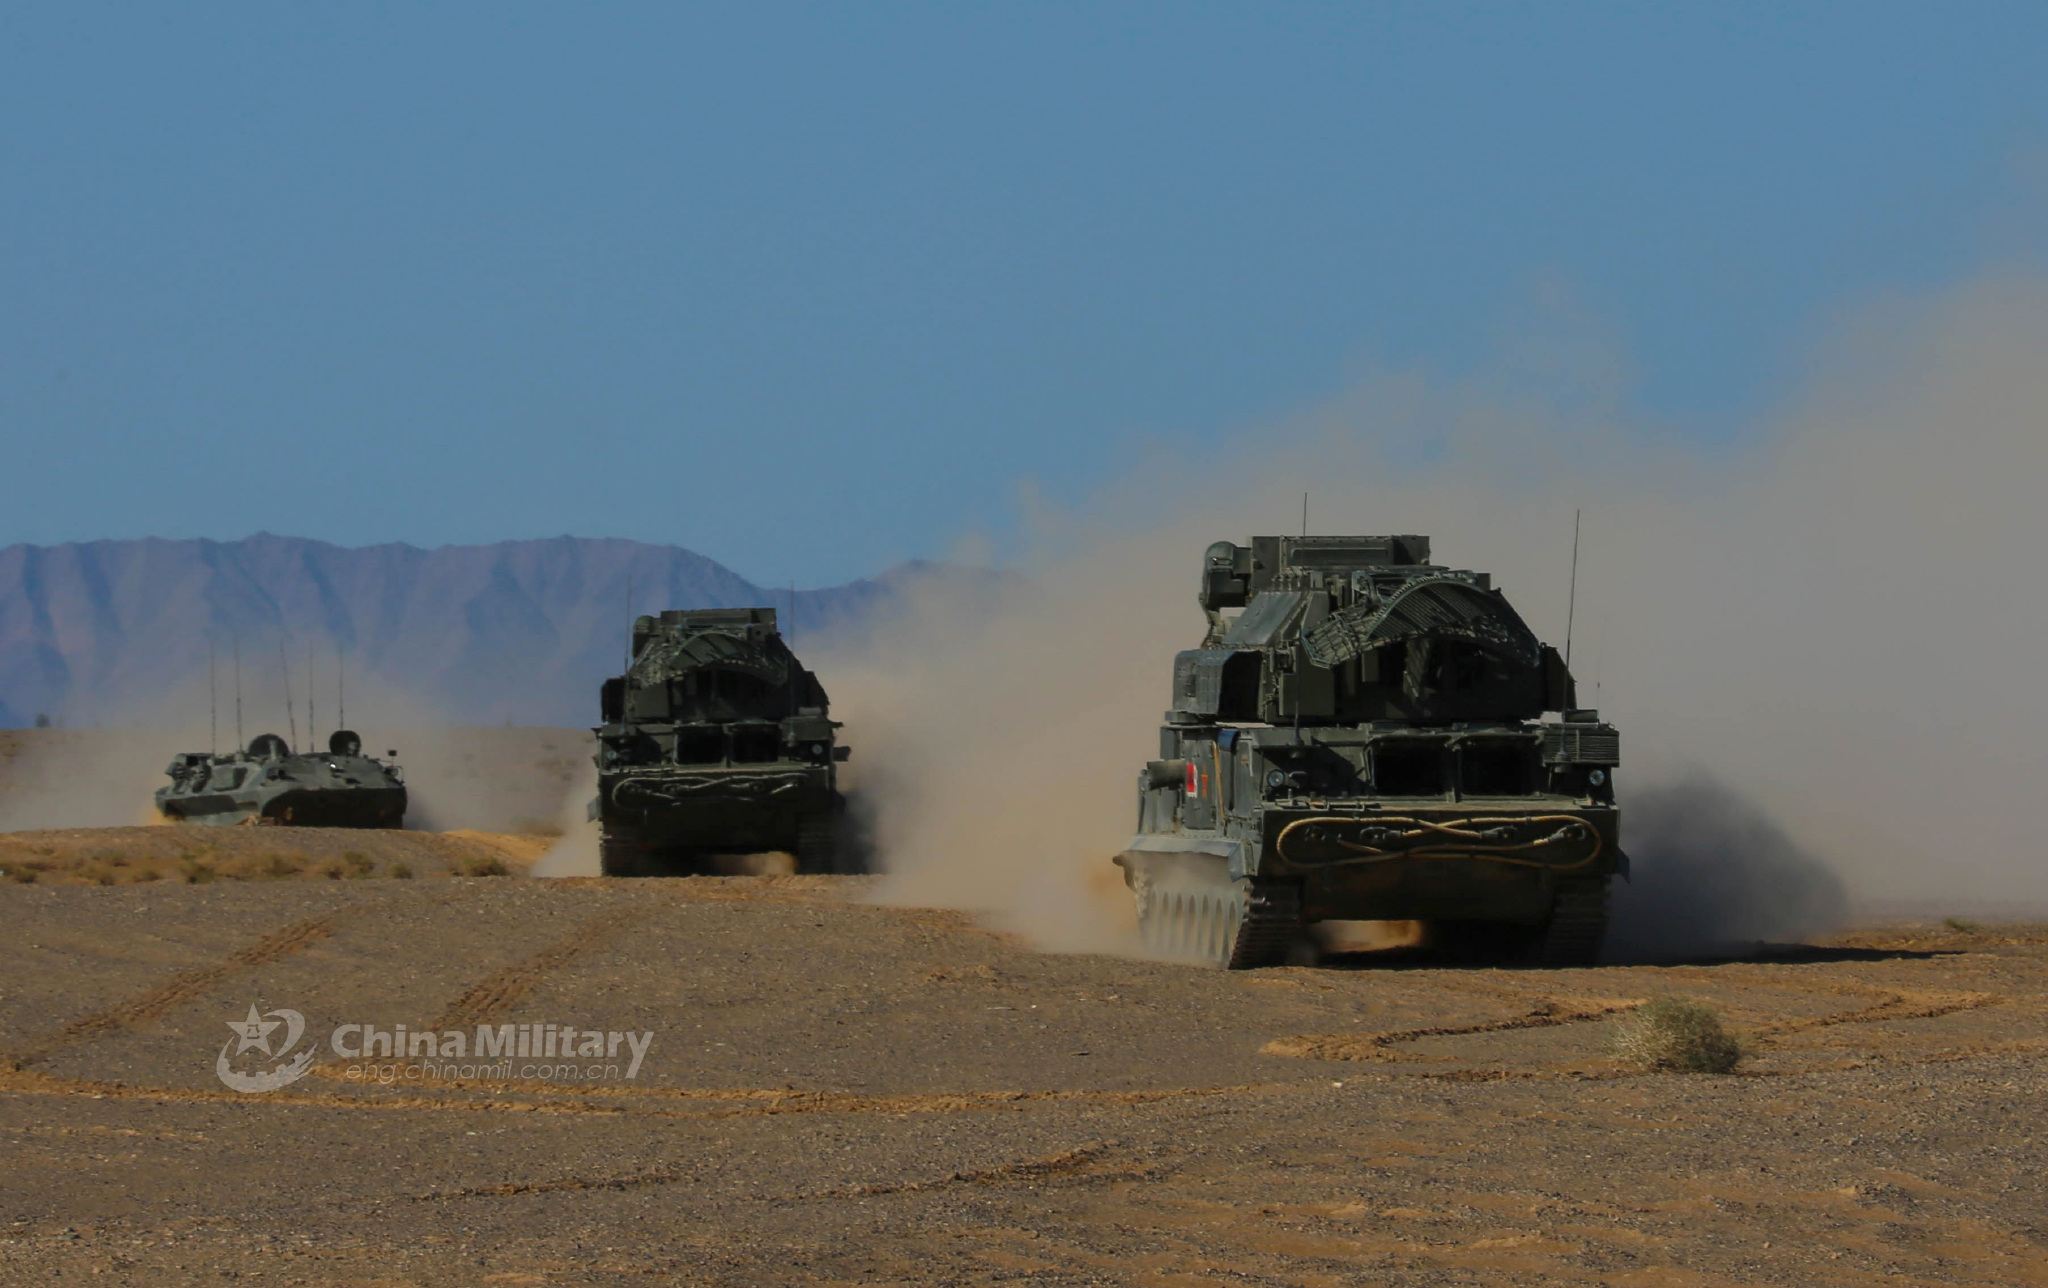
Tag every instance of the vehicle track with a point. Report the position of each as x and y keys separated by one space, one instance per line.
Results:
x=556 y=1098
x=1548 y=1013
x=495 y=993
x=1075 y=1162
x=783 y=1100
x=188 y=986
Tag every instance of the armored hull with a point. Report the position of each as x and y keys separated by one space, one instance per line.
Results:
x=661 y=817
x=270 y=784
x=716 y=742
x=1374 y=738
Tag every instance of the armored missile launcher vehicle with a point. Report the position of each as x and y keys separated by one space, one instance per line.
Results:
x=1372 y=738
x=715 y=742
x=268 y=783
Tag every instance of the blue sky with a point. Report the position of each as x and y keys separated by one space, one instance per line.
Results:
x=812 y=288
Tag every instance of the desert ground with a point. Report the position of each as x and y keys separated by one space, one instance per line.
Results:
x=839 y=1092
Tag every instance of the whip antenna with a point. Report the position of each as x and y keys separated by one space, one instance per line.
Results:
x=212 y=704
x=291 y=714
x=238 y=693
x=1571 y=602
x=629 y=619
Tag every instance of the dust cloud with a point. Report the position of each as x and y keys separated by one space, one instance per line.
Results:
x=103 y=777
x=58 y=778
x=1836 y=615
x=1713 y=875
x=575 y=852
x=492 y=780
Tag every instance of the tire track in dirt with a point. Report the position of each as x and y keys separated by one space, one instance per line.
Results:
x=498 y=991
x=1890 y=1004
x=1901 y=1004
x=555 y=1098
x=1548 y=1013
x=189 y=986
x=752 y=1101
x=1074 y=1162
x=27 y=1082
x=502 y=988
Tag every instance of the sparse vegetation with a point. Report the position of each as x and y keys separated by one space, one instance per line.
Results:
x=1675 y=1035
x=200 y=856
x=268 y=867
x=273 y=866
x=1961 y=925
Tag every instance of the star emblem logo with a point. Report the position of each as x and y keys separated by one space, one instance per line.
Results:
x=254 y=1031
x=255 y=1034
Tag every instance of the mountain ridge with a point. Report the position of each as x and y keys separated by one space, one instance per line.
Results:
x=101 y=632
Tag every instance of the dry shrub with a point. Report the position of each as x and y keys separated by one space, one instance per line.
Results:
x=1676 y=1035
x=357 y=863
x=196 y=872
x=403 y=871
x=482 y=867
x=263 y=867
x=331 y=870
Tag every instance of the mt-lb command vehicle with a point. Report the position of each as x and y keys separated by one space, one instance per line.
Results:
x=270 y=783
x=1371 y=737
x=715 y=742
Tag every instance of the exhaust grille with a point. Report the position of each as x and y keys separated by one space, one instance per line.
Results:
x=1581 y=745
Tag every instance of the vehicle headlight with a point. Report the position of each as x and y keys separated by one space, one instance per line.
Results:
x=1597 y=778
x=1276 y=779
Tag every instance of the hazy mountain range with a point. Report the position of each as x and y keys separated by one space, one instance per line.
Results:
x=118 y=632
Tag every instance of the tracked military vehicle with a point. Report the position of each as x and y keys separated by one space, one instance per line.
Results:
x=715 y=742
x=269 y=783
x=1372 y=737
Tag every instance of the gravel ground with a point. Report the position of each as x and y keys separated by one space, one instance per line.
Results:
x=840 y=1093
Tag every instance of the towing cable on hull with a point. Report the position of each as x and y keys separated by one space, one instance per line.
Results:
x=1458 y=843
